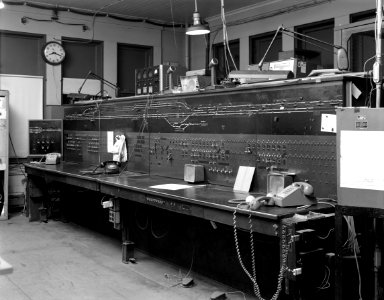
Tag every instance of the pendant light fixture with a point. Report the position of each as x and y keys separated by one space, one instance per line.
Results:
x=197 y=28
x=1 y=4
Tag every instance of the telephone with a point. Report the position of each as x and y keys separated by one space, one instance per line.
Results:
x=111 y=166
x=296 y=194
x=52 y=158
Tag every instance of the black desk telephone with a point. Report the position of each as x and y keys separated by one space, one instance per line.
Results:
x=111 y=166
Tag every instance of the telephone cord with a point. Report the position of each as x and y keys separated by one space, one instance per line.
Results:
x=284 y=254
x=256 y=289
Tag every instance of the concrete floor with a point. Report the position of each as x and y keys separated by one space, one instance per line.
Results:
x=56 y=260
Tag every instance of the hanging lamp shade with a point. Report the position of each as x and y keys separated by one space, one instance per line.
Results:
x=197 y=28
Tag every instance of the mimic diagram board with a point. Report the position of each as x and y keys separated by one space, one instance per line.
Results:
x=271 y=128
x=4 y=163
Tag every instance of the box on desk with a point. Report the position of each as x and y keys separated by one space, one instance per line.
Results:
x=193 y=173
x=194 y=83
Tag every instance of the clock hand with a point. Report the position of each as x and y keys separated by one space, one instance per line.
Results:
x=54 y=53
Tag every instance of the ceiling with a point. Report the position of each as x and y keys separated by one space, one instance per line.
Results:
x=163 y=11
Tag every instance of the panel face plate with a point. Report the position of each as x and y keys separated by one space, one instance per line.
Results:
x=359 y=157
x=275 y=128
x=45 y=136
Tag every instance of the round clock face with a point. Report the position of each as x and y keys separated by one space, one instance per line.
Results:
x=53 y=53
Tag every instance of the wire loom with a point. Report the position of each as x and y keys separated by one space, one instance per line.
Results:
x=92 y=14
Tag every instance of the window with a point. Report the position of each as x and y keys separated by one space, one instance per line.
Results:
x=82 y=57
x=258 y=45
x=129 y=58
x=362 y=47
x=315 y=52
x=218 y=52
x=362 y=16
x=20 y=53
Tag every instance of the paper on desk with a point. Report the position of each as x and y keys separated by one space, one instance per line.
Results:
x=171 y=186
x=362 y=160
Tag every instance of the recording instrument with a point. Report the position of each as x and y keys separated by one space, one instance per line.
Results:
x=156 y=79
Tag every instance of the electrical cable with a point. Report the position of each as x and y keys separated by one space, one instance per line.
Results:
x=353 y=243
x=158 y=236
x=17 y=158
x=327 y=236
x=84 y=12
x=142 y=127
x=286 y=240
x=137 y=221
x=325 y=283
x=173 y=23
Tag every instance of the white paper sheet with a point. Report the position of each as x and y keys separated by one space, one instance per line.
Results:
x=362 y=159
x=328 y=123
x=171 y=186
x=244 y=178
x=110 y=141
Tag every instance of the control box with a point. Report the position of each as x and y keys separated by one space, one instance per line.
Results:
x=360 y=160
x=4 y=153
x=45 y=136
x=155 y=80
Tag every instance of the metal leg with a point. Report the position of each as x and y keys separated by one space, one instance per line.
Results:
x=128 y=247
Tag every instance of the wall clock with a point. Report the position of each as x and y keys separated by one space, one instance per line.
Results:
x=53 y=53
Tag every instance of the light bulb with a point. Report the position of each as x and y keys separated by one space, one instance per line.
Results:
x=1 y=4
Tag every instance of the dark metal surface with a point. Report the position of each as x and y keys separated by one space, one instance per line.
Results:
x=269 y=125
x=203 y=201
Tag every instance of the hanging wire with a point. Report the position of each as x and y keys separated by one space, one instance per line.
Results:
x=173 y=24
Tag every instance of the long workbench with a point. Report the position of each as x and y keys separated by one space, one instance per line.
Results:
x=203 y=201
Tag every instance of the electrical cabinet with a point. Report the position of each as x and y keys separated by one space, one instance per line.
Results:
x=360 y=160
x=4 y=153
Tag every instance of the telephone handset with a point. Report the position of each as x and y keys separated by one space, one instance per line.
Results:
x=111 y=166
x=296 y=194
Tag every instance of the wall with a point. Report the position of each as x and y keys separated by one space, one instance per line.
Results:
x=108 y=30
x=338 y=9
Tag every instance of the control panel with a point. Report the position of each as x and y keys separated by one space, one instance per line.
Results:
x=45 y=136
x=271 y=129
x=155 y=79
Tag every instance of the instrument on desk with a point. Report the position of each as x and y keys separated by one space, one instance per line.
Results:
x=111 y=166
x=52 y=158
x=296 y=194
